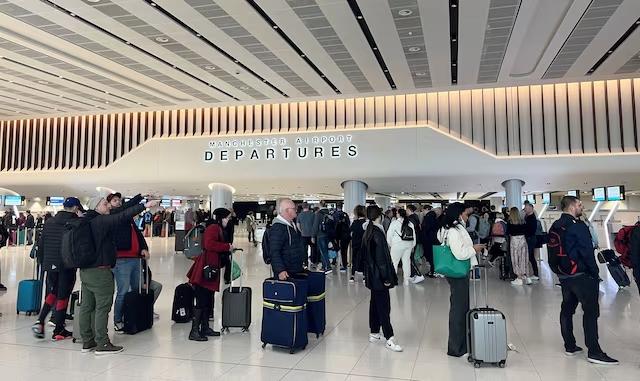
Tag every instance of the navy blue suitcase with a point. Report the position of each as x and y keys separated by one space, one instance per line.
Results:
x=284 y=316
x=316 y=306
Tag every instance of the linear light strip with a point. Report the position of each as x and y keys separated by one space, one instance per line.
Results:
x=454 y=19
x=615 y=46
x=355 y=8
x=89 y=23
x=284 y=36
x=46 y=92
x=213 y=46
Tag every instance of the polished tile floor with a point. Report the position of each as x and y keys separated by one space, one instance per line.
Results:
x=419 y=316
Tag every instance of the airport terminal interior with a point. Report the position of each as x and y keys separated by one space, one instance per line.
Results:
x=244 y=104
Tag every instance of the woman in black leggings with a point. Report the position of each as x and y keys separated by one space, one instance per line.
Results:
x=213 y=244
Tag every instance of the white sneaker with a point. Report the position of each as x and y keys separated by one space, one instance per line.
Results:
x=517 y=282
x=534 y=278
x=527 y=280
x=375 y=338
x=418 y=279
x=392 y=344
x=406 y=283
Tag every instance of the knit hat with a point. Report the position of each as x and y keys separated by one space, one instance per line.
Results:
x=93 y=203
x=221 y=213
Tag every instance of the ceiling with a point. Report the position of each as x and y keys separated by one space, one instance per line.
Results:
x=94 y=56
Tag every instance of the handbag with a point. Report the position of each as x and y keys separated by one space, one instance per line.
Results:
x=236 y=271
x=417 y=254
x=447 y=264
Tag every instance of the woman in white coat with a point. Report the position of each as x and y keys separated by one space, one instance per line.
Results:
x=454 y=234
x=401 y=238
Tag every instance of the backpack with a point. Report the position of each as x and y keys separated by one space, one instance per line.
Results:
x=193 y=241
x=483 y=227
x=343 y=227
x=622 y=243
x=328 y=226
x=147 y=217
x=539 y=228
x=266 y=252
x=498 y=229
x=406 y=234
x=559 y=261
x=78 y=249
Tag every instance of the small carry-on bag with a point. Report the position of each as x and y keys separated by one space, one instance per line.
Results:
x=138 y=307
x=30 y=292
x=284 y=314
x=487 y=332
x=236 y=304
x=615 y=268
x=316 y=306
x=182 y=310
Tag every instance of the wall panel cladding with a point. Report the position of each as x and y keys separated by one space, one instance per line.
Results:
x=574 y=118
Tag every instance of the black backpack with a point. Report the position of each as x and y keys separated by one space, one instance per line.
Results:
x=328 y=226
x=406 y=234
x=559 y=261
x=78 y=249
x=266 y=252
x=343 y=227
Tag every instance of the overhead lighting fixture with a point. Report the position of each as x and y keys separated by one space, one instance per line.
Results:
x=405 y=12
x=210 y=67
x=244 y=88
x=414 y=49
x=93 y=1
x=162 y=39
x=421 y=74
x=43 y=82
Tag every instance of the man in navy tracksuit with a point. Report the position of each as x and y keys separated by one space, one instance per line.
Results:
x=581 y=287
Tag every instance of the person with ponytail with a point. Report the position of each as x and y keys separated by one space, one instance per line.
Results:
x=380 y=277
x=401 y=238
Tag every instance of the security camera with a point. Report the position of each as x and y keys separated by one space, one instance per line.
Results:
x=237 y=72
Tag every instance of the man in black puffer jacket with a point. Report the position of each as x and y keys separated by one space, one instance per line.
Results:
x=285 y=243
x=60 y=280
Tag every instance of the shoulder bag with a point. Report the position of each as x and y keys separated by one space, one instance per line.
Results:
x=445 y=263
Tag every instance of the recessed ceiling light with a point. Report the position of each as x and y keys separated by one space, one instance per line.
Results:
x=210 y=67
x=162 y=39
x=93 y=1
x=454 y=5
x=359 y=17
x=405 y=12
x=95 y=99
x=414 y=49
x=454 y=39
x=421 y=74
x=244 y=88
x=43 y=82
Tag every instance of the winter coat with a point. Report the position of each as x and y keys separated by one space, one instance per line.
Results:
x=286 y=248
x=376 y=261
x=212 y=245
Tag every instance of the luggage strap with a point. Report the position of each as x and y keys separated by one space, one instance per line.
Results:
x=278 y=307
x=315 y=298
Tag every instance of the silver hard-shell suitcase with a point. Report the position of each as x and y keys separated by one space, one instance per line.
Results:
x=487 y=333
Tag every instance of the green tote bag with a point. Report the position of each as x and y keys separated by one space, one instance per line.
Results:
x=447 y=264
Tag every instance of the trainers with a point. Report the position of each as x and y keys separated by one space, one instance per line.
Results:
x=405 y=283
x=417 y=279
x=2 y=287
x=118 y=327
x=517 y=282
x=392 y=344
x=62 y=335
x=89 y=346
x=534 y=277
x=375 y=338
x=156 y=316
x=352 y=280
x=108 y=349
x=328 y=271
x=38 y=330
x=527 y=280
x=602 y=359
x=343 y=270
x=575 y=351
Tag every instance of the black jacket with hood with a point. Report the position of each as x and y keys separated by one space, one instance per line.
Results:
x=376 y=260
x=122 y=233
x=103 y=228
x=50 y=243
x=286 y=248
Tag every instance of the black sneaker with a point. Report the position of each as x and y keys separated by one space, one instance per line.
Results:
x=89 y=346
x=2 y=287
x=62 y=335
x=575 y=351
x=108 y=349
x=602 y=359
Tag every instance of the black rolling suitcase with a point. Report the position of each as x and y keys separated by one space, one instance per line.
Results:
x=138 y=308
x=236 y=304
x=615 y=268
x=182 y=310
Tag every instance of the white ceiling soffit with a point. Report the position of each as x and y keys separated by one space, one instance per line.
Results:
x=625 y=59
x=472 y=27
x=434 y=15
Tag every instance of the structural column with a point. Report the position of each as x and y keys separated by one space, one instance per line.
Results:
x=383 y=202
x=221 y=196
x=497 y=202
x=513 y=193
x=355 y=193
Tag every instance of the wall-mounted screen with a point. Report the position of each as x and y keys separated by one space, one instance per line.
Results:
x=599 y=194
x=531 y=198
x=55 y=201
x=574 y=193
x=13 y=200
x=615 y=193
x=176 y=202
x=165 y=203
x=144 y=200
x=546 y=198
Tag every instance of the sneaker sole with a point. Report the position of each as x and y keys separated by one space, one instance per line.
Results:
x=87 y=350
x=394 y=349
x=600 y=362
x=61 y=338
x=104 y=353
x=573 y=353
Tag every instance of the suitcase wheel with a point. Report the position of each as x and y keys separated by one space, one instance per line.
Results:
x=501 y=364
x=245 y=329
x=17 y=312
x=264 y=345
x=74 y=340
x=477 y=364
x=292 y=351
x=317 y=335
x=470 y=359
x=28 y=313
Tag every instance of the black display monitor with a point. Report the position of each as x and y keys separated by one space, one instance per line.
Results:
x=615 y=193
x=599 y=194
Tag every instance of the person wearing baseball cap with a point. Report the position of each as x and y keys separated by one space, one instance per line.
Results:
x=60 y=280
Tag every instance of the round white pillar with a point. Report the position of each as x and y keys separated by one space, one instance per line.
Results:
x=383 y=202
x=513 y=193
x=355 y=193
x=221 y=196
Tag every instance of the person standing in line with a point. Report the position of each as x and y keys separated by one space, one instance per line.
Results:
x=30 y=224
x=380 y=277
x=251 y=228
x=517 y=230
x=583 y=286
x=455 y=235
x=321 y=238
x=357 y=232
x=401 y=248
x=305 y=227
x=343 y=235
x=414 y=218
x=285 y=243
x=430 y=227
x=531 y=221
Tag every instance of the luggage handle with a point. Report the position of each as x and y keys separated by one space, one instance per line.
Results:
x=241 y=266
x=486 y=286
x=146 y=276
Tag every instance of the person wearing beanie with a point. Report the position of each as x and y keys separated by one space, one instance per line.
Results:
x=213 y=244
x=97 y=279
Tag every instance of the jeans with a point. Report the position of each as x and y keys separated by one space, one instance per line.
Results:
x=458 y=309
x=252 y=235
x=97 y=297
x=531 y=245
x=127 y=276
x=29 y=236
x=323 y=248
x=380 y=313
x=584 y=290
